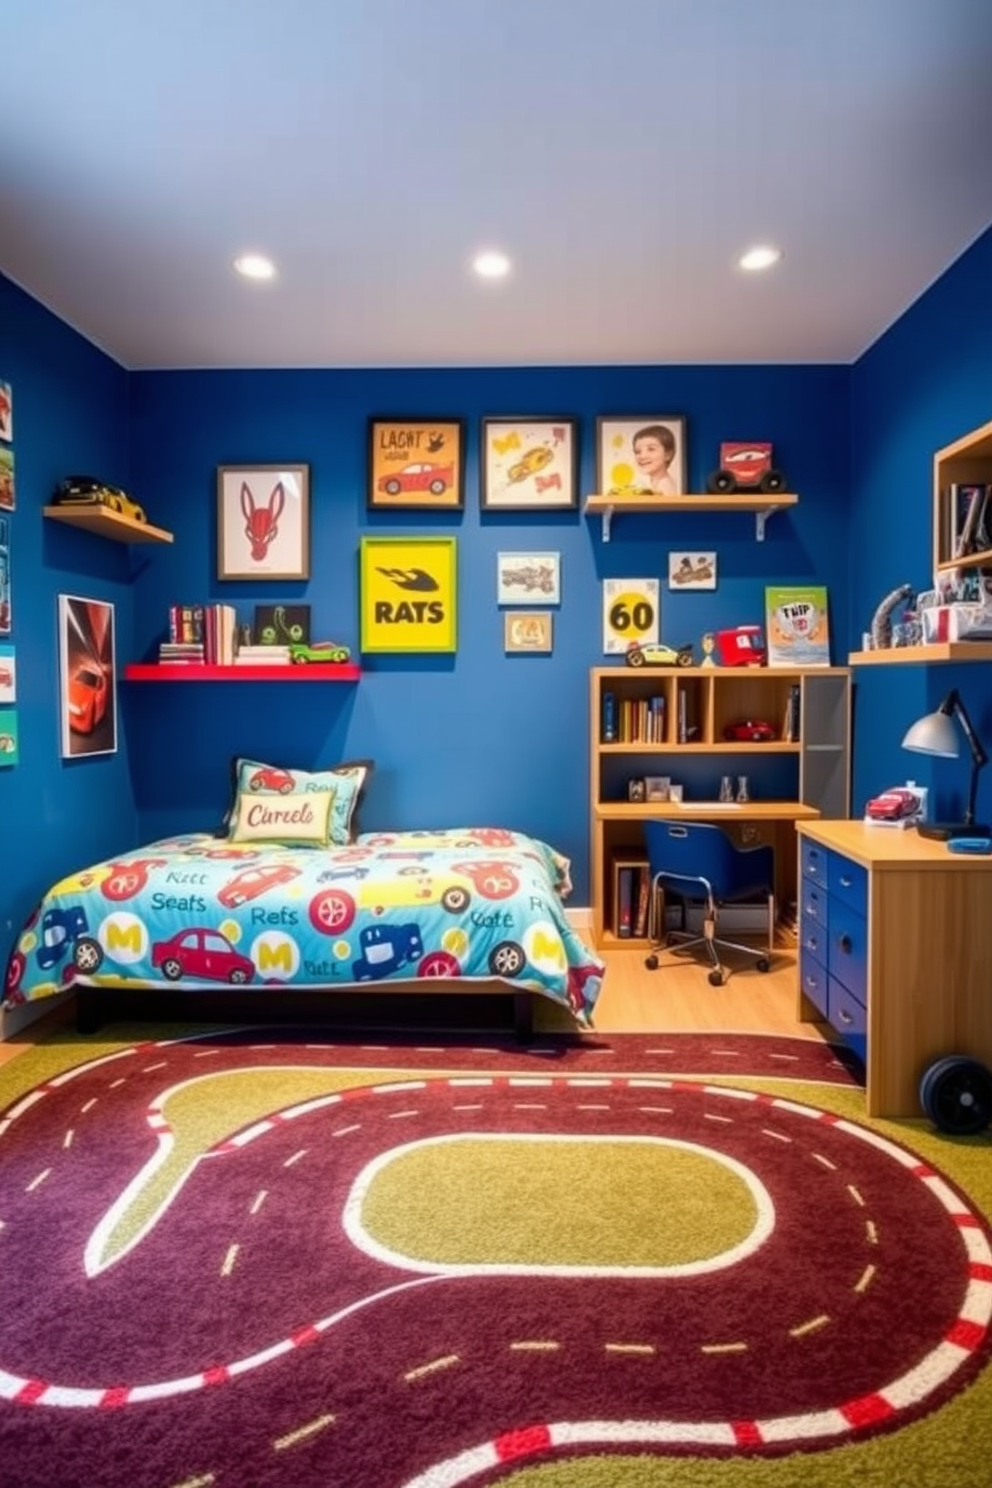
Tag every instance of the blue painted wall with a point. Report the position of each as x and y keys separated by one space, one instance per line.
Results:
x=478 y=736
x=70 y=415
x=920 y=387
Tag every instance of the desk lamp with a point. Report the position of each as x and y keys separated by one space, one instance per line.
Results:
x=935 y=734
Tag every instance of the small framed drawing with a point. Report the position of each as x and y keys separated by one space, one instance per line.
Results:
x=408 y=593
x=282 y=625
x=692 y=570
x=527 y=630
x=87 y=677
x=528 y=578
x=529 y=464
x=6 y=411
x=416 y=464
x=263 y=521
x=657 y=787
x=643 y=456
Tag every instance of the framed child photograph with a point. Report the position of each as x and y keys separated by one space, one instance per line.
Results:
x=263 y=521
x=641 y=456
x=529 y=464
x=416 y=464
x=87 y=677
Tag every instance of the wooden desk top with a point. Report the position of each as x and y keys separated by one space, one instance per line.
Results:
x=891 y=847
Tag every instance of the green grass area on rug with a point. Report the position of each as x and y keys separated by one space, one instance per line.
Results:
x=264 y=1257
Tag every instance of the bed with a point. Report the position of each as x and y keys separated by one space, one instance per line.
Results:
x=467 y=910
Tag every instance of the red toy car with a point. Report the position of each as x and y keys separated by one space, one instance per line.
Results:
x=893 y=805
x=746 y=467
x=751 y=730
x=202 y=953
x=271 y=778
x=742 y=645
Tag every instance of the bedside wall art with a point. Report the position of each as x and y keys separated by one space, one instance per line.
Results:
x=409 y=593
x=263 y=521
x=529 y=464
x=416 y=464
x=87 y=677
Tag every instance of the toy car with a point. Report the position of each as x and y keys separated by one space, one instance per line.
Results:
x=893 y=805
x=746 y=467
x=741 y=645
x=85 y=490
x=318 y=651
x=751 y=730
x=638 y=655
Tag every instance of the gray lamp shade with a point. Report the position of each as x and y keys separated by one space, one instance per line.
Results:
x=934 y=734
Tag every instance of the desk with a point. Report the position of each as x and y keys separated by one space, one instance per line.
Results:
x=895 y=952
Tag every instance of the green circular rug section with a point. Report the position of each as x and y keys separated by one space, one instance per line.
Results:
x=560 y=1203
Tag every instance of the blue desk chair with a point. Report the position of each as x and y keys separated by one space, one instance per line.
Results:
x=699 y=864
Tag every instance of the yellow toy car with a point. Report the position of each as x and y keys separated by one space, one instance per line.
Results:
x=85 y=490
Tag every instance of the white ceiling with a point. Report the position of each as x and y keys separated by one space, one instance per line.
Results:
x=623 y=152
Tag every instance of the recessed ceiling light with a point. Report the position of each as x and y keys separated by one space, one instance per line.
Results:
x=255 y=266
x=491 y=265
x=760 y=257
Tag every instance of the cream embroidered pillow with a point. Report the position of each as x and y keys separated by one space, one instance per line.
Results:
x=296 y=818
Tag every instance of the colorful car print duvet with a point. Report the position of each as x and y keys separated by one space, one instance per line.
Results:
x=196 y=911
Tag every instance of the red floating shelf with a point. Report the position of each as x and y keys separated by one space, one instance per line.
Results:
x=182 y=671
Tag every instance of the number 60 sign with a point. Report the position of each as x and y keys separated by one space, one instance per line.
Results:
x=631 y=610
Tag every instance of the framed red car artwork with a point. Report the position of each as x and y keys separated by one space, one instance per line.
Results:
x=87 y=686
x=416 y=463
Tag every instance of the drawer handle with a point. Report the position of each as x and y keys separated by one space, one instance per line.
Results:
x=811 y=981
x=846 y=883
x=843 y=1016
x=812 y=944
x=845 y=943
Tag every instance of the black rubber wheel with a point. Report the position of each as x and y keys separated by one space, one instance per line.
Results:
x=716 y=978
x=772 y=480
x=956 y=1094
x=721 y=483
x=764 y=964
x=651 y=962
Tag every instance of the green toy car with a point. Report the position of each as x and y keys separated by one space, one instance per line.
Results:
x=319 y=651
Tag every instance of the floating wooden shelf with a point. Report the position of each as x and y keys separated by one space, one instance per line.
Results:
x=939 y=651
x=749 y=811
x=106 y=522
x=182 y=671
x=761 y=504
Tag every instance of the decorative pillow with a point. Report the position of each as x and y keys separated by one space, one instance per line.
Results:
x=272 y=804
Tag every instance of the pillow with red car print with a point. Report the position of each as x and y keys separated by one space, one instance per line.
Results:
x=288 y=819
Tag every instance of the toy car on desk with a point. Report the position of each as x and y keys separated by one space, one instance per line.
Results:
x=85 y=490
x=638 y=655
x=318 y=651
x=751 y=731
x=893 y=805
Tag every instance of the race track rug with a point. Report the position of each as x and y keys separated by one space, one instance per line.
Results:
x=247 y=1260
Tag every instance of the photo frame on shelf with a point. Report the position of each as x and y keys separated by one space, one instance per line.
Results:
x=529 y=464
x=528 y=578
x=408 y=593
x=263 y=521
x=528 y=630
x=416 y=464
x=282 y=625
x=691 y=571
x=641 y=455
x=797 y=626
x=87 y=677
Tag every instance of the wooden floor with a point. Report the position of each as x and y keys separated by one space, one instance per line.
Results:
x=676 y=997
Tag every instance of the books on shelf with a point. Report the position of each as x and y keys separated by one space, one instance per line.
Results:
x=212 y=627
x=262 y=656
x=631 y=895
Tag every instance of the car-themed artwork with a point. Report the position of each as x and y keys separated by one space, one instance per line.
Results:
x=746 y=467
x=472 y=903
x=9 y=753
x=6 y=617
x=692 y=571
x=529 y=464
x=416 y=464
x=528 y=578
x=637 y=655
x=631 y=614
x=6 y=411
x=8 y=674
x=899 y=806
x=7 y=490
x=88 y=699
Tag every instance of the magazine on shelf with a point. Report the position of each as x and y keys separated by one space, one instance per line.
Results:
x=797 y=625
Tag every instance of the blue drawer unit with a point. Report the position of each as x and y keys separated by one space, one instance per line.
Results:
x=847 y=955
x=813 y=903
x=849 y=1017
x=815 y=983
x=833 y=941
x=848 y=882
x=813 y=861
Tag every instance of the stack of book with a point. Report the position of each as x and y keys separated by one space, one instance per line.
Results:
x=262 y=656
x=205 y=633
x=186 y=652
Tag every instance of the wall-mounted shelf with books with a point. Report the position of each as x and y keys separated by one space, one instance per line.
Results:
x=763 y=506
x=962 y=502
x=108 y=523
x=939 y=651
x=196 y=671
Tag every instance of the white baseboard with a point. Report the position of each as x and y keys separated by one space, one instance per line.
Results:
x=579 y=918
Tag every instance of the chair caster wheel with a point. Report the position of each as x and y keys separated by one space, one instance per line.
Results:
x=763 y=965
x=651 y=962
x=716 y=978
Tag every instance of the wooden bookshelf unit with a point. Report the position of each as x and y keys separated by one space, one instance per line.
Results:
x=790 y=779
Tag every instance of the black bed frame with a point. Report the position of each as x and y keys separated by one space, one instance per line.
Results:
x=504 y=1011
